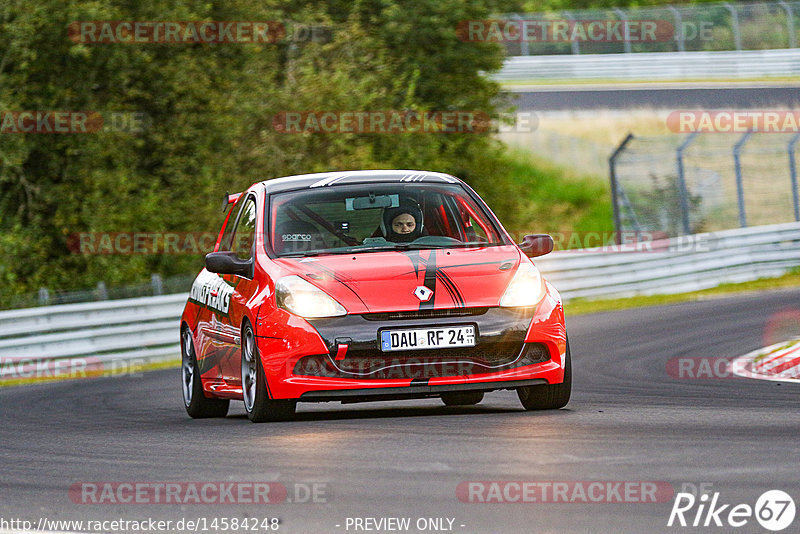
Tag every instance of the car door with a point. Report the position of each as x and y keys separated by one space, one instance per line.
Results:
x=211 y=295
x=243 y=289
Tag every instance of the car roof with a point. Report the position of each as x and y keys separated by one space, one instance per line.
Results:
x=328 y=179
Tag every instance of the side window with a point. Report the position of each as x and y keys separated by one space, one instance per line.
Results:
x=230 y=225
x=451 y=223
x=244 y=235
x=475 y=232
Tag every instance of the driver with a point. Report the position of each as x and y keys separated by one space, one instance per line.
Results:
x=402 y=224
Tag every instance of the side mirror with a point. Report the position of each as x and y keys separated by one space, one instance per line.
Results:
x=229 y=263
x=537 y=245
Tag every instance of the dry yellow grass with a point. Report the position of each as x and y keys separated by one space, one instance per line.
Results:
x=607 y=127
x=583 y=141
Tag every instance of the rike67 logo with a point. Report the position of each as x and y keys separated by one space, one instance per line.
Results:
x=774 y=510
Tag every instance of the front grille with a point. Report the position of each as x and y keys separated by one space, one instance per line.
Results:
x=376 y=365
x=424 y=314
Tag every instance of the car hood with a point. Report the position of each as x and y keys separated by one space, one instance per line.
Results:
x=370 y=282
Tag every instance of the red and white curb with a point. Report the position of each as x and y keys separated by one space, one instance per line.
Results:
x=779 y=363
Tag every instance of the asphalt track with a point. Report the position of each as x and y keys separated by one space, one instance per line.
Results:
x=577 y=98
x=628 y=421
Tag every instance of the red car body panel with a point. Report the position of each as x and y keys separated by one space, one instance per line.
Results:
x=366 y=283
x=385 y=281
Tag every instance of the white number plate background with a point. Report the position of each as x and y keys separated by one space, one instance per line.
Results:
x=427 y=338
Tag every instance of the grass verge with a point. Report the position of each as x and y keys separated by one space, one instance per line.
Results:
x=132 y=370
x=538 y=196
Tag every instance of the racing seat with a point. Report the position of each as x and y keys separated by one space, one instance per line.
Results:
x=297 y=236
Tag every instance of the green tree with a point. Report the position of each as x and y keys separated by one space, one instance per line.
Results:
x=209 y=110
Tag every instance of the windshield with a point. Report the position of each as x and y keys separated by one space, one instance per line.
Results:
x=373 y=217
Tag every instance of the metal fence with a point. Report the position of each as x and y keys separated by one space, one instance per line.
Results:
x=47 y=297
x=685 y=184
x=695 y=27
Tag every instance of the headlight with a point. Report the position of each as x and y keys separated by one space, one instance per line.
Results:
x=526 y=288
x=299 y=297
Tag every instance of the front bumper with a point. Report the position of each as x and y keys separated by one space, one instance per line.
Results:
x=514 y=347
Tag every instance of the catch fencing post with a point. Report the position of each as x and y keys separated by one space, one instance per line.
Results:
x=576 y=47
x=624 y=18
x=44 y=296
x=684 y=192
x=102 y=291
x=789 y=23
x=612 y=168
x=678 y=28
x=157 y=284
x=523 y=43
x=793 y=174
x=737 y=36
x=737 y=164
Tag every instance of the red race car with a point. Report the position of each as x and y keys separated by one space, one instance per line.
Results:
x=369 y=285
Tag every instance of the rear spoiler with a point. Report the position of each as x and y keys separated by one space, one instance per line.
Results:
x=229 y=199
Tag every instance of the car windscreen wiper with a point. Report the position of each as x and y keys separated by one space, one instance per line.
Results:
x=419 y=246
x=422 y=246
x=337 y=251
x=475 y=244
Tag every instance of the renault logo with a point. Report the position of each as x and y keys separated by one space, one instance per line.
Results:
x=423 y=293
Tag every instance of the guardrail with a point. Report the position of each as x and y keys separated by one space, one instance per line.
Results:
x=646 y=66
x=50 y=339
x=89 y=338
x=702 y=26
x=686 y=263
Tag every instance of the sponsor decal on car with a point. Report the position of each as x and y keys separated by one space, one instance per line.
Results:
x=211 y=291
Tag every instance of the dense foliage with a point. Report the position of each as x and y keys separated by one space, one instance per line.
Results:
x=209 y=109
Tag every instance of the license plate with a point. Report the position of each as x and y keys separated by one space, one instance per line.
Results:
x=427 y=338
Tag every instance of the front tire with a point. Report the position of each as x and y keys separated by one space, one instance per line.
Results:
x=462 y=398
x=197 y=405
x=549 y=396
x=259 y=407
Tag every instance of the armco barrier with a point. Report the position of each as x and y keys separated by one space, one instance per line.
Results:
x=147 y=328
x=144 y=330
x=676 y=265
x=649 y=66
